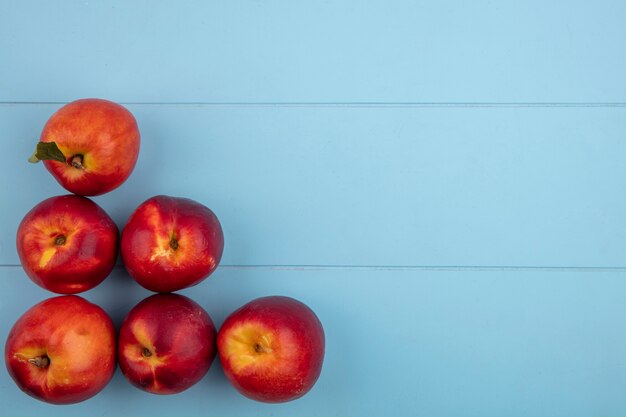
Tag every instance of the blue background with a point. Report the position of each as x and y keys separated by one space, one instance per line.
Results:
x=442 y=182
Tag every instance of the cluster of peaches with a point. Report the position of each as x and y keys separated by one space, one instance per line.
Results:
x=65 y=349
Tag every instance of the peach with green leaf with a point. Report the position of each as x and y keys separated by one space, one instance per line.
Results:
x=90 y=146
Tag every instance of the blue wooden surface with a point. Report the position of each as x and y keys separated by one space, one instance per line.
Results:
x=347 y=51
x=372 y=186
x=441 y=181
x=399 y=342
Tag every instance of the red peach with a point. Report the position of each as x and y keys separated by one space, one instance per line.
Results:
x=272 y=349
x=67 y=244
x=62 y=350
x=90 y=146
x=171 y=243
x=166 y=344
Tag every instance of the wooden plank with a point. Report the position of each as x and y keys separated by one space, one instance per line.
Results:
x=444 y=343
x=367 y=186
x=276 y=51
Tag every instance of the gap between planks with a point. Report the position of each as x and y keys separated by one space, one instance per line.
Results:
x=349 y=104
x=618 y=269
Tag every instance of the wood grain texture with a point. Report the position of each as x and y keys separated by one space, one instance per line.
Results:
x=401 y=342
x=440 y=181
x=332 y=51
x=369 y=186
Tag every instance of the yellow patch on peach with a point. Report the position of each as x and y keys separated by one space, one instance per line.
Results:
x=90 y=162
x=70 y=173
x=163 y=250
x=139 y=330
x=249 y=344
x=46 y=255
x=135 y=352
x=35 y=373
x=75 y=345
x=26 y=353
x=164 y=232
x=74 y=174
x=44 y=234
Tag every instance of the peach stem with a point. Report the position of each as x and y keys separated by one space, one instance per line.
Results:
x=77 y=161
x=40 y=361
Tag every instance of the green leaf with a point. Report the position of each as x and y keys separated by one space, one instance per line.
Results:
x=47 y=151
